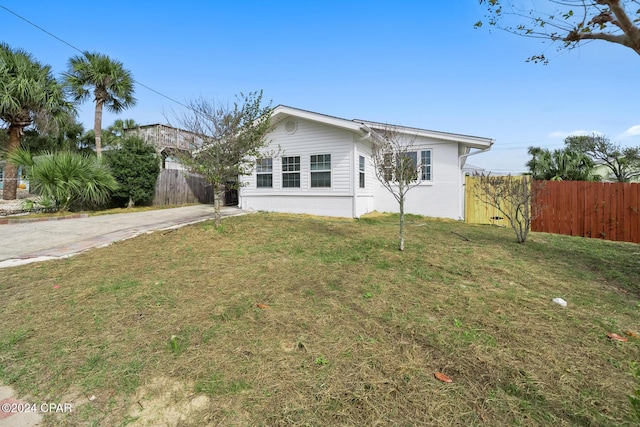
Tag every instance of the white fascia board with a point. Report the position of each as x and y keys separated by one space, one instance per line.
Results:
x=282 y=111
x=467 y=140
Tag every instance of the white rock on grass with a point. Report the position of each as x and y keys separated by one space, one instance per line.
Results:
x=560 y=302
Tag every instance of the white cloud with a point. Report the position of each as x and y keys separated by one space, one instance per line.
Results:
x=632 y=131
x=563 y=135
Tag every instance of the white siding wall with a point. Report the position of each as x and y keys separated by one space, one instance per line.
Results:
x=314 y=205
x=441 y=197
x=438 y=198
x=309 y=138
x=364 y=196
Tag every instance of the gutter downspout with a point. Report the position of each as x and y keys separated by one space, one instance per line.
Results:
x=354 y=195
x=354 y=168
x=460 y=159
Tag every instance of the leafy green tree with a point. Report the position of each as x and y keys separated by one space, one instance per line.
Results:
x=111 y=84
x=135 y=166
x=623 y=163
x=115 y=132
x=67 y=138
x=561 y=165
x=111 y=136
x=67 y=179
x=29 y=94
x=568 y=22
x=230 y=140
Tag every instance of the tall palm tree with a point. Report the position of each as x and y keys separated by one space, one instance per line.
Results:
x=112 y=86
x=28 y=94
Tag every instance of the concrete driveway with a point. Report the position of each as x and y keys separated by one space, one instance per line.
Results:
x=37 y=241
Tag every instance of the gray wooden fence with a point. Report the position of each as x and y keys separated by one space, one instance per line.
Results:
x=178 y=187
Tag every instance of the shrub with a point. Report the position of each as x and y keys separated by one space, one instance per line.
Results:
x=135 y=166
x=68 y=179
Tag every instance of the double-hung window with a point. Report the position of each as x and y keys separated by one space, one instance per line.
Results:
x=406 y=166
x=409 y=163
x=291 y=172
x=361 y=170
x=413 y=169
x=320 y=171
x=425 y=163
x=264 y=173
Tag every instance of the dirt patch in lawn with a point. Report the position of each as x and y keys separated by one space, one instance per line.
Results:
x=165 y=401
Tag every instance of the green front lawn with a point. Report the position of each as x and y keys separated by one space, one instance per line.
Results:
x=349 y=330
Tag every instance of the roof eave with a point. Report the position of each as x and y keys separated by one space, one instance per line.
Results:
x=282 y=111
x=467 y=140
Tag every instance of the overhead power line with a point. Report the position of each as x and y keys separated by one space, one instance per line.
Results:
x=40 y=28
x=82 y=51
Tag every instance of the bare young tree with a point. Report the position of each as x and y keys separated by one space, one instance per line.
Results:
x=231 y=137
x=570 y=22
x=514 y=196
x=395 y=161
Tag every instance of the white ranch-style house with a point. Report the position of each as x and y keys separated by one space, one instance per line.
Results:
x=324 y=167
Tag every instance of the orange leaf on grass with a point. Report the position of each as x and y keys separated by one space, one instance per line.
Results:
x=262 y=306
x=617 y=337
x=631 y=334
x=442 y=377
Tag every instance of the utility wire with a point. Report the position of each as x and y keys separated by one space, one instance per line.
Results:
x=40 y=28
x=81 y=51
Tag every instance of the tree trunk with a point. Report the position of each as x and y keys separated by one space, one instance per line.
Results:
x=10 y=189
x=218 y=202
x=97 y=127
x=401 y=224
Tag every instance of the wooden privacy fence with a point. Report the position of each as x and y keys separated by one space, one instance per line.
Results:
x=478 y=212
x=602 y=210
x=577 y=208
x=178 y=187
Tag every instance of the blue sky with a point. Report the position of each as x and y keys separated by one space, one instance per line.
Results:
x=412 y=63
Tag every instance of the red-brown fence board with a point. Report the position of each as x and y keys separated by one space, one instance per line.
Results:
x=573 y=206
x=609 y=213
x=634 y=213
x=591 y=209
x=624 y=207
x=580 y=192
x=633 y=219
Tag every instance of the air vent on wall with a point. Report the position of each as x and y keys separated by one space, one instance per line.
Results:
x=290 y=126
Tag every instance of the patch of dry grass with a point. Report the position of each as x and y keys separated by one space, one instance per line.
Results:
x=352 y=333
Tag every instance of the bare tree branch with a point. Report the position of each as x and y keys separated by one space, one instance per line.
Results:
x=516 y=197
x=397 y=167
x=570 y=22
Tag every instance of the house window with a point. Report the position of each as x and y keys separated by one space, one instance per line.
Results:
x=291 y=172
x=406 y=164
x=264 y=173
x=321 y=170
x=361 y=169
x=413 y=156
x=425 y=160
x=425 y=165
